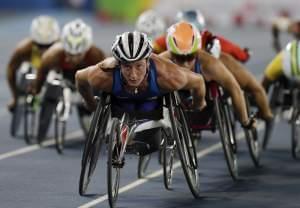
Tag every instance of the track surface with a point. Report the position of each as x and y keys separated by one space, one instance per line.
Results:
x=41 y=178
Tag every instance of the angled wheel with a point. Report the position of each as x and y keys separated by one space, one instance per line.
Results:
x=29 y=119
x=92 y=146
x=185 y=145
x=114 y=163
x=17 y=116
x=45 y=118
x=295 y=125
x=143 y=164
x=227 y=137
x=59 y=134
x=168 y=153
x=252 y=139
x=276 y=92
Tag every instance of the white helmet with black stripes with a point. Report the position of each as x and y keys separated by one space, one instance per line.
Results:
x=77 y=37
x=131 y=46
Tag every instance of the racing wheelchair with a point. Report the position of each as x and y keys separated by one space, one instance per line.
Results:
x=118 y=131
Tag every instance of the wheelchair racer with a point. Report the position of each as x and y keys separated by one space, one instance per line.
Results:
x=284 y=64
x=44 y=31
x=75 y=50
x=153 y=25
x=284 y=24
x=184 y=49
x=137 y=79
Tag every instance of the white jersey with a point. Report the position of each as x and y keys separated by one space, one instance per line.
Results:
x=291 y=60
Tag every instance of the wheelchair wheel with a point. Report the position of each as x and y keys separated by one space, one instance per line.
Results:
x=252 y=139
x=143 y=164
x=185 y=146
x=295 y=125
x=92 y=148
x=17 y=116
x=227 y=137
x=47 y=110
x=114 y=163
x=276 y=92
x=59 y=134
x=168 y=153
x=29 y=119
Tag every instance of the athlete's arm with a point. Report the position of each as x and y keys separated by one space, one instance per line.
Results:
x=172 y=77
x=22 y=53
x=95 y=55
x=214 y=70
x=93 y=78
x=50 y=60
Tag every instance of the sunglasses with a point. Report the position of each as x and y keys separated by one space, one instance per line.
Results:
x=184 y=58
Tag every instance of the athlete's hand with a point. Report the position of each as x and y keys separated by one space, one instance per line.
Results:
x=91 y=105
x=108 y=63
x=201 y=106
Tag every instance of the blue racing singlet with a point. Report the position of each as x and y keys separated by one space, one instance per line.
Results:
x=197 y=66
x=144 y=101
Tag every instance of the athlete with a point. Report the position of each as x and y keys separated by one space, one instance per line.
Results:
x=75 y=50
x=153 y=25
x=284 y=64
x=137 y=78
x=44 y=31
x=284 y=24
x=184 y=49
x=215 y=46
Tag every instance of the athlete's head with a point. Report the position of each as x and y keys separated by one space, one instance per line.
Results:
x=150 y=23
x=44 y=31
x=77 y=39
x=132 y=50
x=295 y=29
x=183 y=41
x=194 y=17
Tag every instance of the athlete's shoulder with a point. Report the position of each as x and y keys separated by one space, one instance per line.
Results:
x=96 y=52
x=24 y=45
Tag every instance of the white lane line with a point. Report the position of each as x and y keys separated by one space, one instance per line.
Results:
x=71 y=136
x=160 y=172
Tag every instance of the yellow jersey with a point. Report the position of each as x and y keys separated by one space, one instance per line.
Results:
x=287 y=63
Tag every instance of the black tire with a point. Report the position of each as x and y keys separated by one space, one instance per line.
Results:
x=59 y=134
x=276 y=92
x=168 y=153
x=29 y=121
x=47 y=111
x=85 y=118
x=17 y=116
x=143 y=164
x=92 y=147
x=252 y=139
x=295 y=125
x=185 y=146
x=113 y=163
x=226 y=133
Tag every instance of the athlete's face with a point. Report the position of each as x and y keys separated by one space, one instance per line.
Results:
x=135 y=72
x=187 y=61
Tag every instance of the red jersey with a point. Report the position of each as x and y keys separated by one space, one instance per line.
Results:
x=160 y=45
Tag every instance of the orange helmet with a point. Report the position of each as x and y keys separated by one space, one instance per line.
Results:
x=183 y=38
